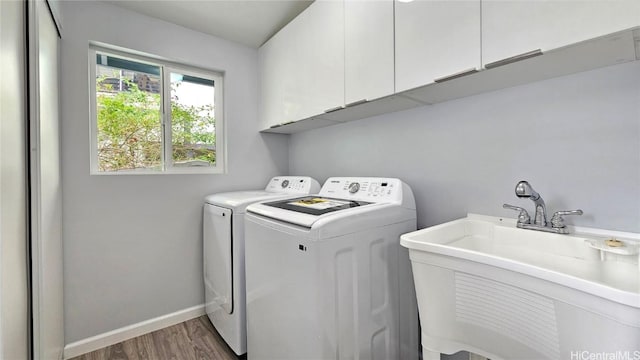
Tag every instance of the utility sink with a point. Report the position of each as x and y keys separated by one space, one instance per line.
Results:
x=486 y=286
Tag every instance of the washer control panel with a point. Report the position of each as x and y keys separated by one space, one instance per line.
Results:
x=366 y=189
x=293 y=185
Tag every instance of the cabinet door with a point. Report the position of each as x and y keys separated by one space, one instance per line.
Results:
x=435 y=39
x=302 y=67
x=368 y=49
x=319 y=49
x=515 y=27
x=275 y=61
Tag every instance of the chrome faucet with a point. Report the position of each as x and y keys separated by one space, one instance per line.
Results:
x=524 y=190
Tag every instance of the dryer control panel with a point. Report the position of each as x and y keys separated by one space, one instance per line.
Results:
x=293 y=185
x=363 y=188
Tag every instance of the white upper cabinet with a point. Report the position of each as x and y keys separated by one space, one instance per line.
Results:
x=512 y=27
x=343 y=54
x=435 y=39
x=302 y=66
x=274 y=63
x=368 y=50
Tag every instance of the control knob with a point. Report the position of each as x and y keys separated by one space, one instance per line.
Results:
x=285 y=183
x=354 y=187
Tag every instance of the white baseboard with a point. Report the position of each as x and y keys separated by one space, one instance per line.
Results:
x=118 y=335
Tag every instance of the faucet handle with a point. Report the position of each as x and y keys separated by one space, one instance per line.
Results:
x=557 y=221
x=523 y=217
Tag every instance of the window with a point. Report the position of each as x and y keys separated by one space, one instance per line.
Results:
x=153 y=116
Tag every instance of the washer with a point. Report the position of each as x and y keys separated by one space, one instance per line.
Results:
x=327 y=277
x=223 y=253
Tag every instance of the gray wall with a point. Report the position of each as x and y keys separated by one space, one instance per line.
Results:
x=576 y=139
x=132 y=243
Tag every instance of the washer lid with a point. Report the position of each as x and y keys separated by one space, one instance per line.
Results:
x=309 y=210
x=239 y=200
x=316 y=205
x=278 y=187
x=344 y=200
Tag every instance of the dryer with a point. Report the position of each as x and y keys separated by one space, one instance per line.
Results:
x=327 y=277
x=223 y=253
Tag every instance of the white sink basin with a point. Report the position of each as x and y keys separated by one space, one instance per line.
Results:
x=485 y=286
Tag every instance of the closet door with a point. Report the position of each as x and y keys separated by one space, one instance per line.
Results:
x=14 y=340
x=46 y=188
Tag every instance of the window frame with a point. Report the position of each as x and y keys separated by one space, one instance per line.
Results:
x=166 y=68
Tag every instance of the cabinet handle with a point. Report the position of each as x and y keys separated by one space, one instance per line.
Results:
x=456 y=75
x=333 y=109
x=356 y=103
x=512 y=59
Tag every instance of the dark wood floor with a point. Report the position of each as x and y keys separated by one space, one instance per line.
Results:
x=191 y=340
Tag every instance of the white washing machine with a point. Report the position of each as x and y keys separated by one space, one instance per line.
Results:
x=327 y=277
x=223 y=253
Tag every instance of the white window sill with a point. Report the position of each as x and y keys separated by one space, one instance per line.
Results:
x=174 y=171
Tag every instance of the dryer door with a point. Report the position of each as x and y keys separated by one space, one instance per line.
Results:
x=217 y=244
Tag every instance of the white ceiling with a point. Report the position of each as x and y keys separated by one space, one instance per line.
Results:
x=249 y=22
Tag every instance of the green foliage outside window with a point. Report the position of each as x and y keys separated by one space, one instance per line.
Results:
x=130 y=131
x=192 y=132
